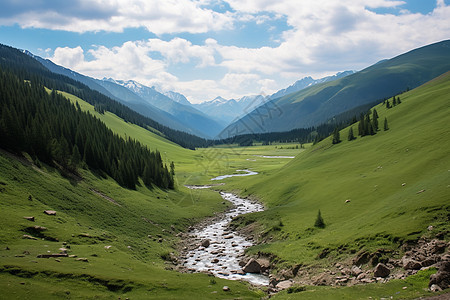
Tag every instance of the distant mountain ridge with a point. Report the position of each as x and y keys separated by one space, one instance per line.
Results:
x=145 y=100
x=187 y=115
x=317 y=104
x=307 y=82
x=231 y=110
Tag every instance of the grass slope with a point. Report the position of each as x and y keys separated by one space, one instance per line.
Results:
x=92 y=213
x=370 y=171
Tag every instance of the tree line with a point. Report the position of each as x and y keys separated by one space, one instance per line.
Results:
x=27 y=68
x=53 y=130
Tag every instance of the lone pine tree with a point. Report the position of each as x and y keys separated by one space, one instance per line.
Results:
x=319 y=221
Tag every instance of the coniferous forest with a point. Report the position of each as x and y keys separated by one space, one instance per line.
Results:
x=53 y=130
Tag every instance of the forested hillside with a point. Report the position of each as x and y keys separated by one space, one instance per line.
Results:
x=27 y=68
x=51 y=129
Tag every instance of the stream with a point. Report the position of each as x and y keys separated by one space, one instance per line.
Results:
x=221 y=257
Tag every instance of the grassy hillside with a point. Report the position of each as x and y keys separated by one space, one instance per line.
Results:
x=317 y=104
x=396 y=181
x=125 y=235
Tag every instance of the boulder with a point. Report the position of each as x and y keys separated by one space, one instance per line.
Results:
x=29 y=218
x=214 y=260
x=50 y=212
x=411 y=264
x=252 y=266
x=29 y=237
x=361 y=258
x=226 y=288
x=442 y=276
x=381 y=270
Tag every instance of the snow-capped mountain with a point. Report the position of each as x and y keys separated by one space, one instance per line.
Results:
x=230 y=110
x=177 y=97
x=307 y=82
x=186 y=114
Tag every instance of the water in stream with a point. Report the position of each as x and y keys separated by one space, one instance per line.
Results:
x=248 y=173
x=226 y=247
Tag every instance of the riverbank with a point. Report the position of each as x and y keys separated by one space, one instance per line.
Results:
x=213 y=247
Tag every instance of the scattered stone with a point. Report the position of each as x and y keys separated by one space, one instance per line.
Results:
x=356 y=271
x=403 y=184
x=252 y=266
x=29 y=218
x=215 y=260
x=322 y=279
x=227 y=237
x=26 y=252
x=52 y=255
x=63 y=250
x=38 y=228
x=83 y=259
x=50 y=212
x=226 y=288
x=206 y=243
x=28 y=237
x=7 y=248
x=421 y=191
x=72 y=256
x=285 y=284
x=108 y=247
x=57 y=260
x=347 y=201
x=381 y=270
x=435 y=288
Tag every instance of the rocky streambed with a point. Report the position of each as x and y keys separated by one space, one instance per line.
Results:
x=214 y=248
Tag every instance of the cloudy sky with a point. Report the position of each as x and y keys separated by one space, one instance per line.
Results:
x=228 y=48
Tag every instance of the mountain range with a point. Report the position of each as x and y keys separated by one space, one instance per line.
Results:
x=319 y=103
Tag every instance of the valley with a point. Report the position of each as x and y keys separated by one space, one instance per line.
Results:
x=79 y=234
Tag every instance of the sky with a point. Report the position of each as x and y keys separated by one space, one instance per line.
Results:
x=228 y=48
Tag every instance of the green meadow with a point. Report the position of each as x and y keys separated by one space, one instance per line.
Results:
x=397 y=182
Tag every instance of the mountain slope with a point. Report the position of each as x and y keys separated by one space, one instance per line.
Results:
x=396 y=184
x=184 y=114
x=319 y=103
x=307 y=82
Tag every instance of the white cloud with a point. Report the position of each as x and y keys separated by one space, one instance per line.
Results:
x=325 y=36
x=159 y=17
x=182 y=51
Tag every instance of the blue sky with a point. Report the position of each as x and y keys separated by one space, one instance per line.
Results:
x=230 y=48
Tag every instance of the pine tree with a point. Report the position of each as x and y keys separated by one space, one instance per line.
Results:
x=375 y=119
x=172 y=168
x=319 y=221
x=386 y=127
x=388 y=104
x=336 y=136
x=351 y=137
x=361 y=127
x=394 y=101
x=398 y=100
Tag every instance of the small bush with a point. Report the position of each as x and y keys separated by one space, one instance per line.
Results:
x=296 y=289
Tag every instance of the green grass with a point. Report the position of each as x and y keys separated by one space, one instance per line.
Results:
x=412 y=287
x=370 y=172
